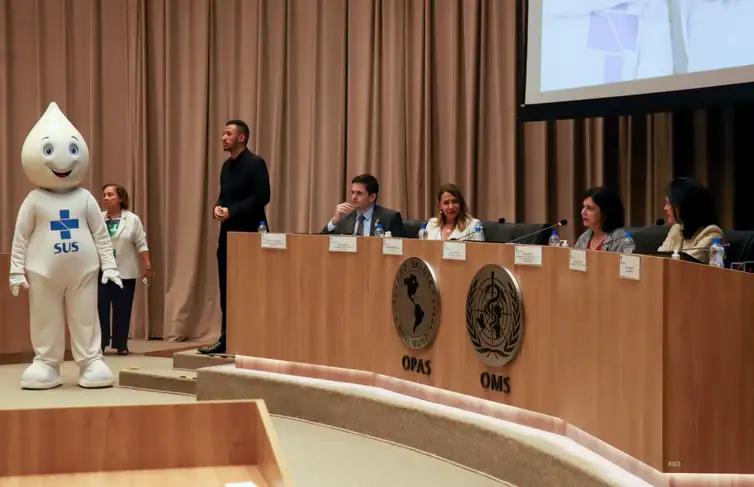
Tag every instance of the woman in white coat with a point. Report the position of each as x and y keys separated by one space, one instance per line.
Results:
x=453 y=222
x=129 y=247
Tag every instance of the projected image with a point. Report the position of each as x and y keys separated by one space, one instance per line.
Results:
x=594 y=42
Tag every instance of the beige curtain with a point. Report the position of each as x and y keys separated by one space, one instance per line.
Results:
x=417 y=92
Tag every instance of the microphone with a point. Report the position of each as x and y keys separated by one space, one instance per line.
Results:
x=477 y=229
x=561 y=223
x=658 y=223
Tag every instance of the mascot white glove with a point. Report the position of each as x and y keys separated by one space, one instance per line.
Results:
x=17 y=281
x=113 y=276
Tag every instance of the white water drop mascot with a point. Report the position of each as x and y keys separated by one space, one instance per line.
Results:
x=59 y=243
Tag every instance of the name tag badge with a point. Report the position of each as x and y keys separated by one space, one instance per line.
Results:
x=630 y=267
x=275 y=241
x=392 y=246
x=454 y=251
x=339 y=243
x=577 y=261
x=528 y=255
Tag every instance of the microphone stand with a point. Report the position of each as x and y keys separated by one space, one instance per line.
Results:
x=561 y=223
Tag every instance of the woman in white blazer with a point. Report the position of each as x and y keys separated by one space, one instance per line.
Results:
x=453 y=222
x=129 y=247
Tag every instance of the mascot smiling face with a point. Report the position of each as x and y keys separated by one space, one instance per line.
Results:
x=55 y=155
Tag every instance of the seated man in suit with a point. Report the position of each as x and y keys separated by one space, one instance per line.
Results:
x=361 y=215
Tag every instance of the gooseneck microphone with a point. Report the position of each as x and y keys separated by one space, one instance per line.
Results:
x=477 y=229
x=561 y=223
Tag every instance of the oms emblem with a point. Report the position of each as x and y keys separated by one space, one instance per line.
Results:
x=494 y=315
x=416 y=303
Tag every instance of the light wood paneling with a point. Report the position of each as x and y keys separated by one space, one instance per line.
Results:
x=170 y=477
x=709 y=369
x=595 y=351
x=14 y=319
x=116 y=438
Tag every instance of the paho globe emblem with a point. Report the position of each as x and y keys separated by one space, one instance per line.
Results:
x=494 y=315
x=416 y=303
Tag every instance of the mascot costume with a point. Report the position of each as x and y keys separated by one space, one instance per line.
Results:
x=59 y=243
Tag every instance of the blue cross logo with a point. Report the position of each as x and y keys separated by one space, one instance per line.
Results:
x=65 y=224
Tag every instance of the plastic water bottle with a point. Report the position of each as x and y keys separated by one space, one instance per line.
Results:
x=554 y=240
x=262 y=228
x=628 y=243
x=378 y=230
x=478 y=230
x=423 y=234
x=717 y=253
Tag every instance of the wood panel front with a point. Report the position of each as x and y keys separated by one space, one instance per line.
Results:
x=117 y=438
x=709 y=369
x=593 y=347
x=15 y=339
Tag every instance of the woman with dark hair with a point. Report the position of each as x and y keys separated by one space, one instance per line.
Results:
x=453 y=220
x=690 y=211
x=602 y=214
x=129 y=246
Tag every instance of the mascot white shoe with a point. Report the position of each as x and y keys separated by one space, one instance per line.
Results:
x=40 y=375
x=59 y=245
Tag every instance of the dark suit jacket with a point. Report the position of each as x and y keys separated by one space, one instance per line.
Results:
x=391 y=222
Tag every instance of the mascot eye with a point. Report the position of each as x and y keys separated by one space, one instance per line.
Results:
x=73 y=149
x=48 y=150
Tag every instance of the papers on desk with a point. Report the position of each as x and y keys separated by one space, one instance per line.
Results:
x=454 y=251
x=340 y=243
x=528 y=255
x=630 y=265
x=274 y=241
x=392 y=246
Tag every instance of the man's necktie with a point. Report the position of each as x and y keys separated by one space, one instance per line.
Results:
x=359 y=225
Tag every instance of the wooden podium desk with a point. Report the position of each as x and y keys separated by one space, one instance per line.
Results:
x=661 y=368
x=203 y=443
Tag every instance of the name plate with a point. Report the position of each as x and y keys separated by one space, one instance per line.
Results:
x=630 y=266
x=274 y=241
x=577 y=260
x=528 y=255
x=454 y=251
x=340 y=243
x=392 y=246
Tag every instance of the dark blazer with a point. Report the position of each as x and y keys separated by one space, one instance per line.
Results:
x=391 y=222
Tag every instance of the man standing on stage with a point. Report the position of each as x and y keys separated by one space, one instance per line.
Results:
x=244 y=192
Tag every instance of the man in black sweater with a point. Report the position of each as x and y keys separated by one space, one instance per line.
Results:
x=244 y=192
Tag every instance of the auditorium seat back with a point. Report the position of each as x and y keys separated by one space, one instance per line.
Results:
x=741 y=248
x=412 y=227
x=649 y=239
x=505 y=232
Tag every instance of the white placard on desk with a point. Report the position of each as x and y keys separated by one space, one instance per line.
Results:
x=454 y=250
x=274 y=241
x=630 y=265
x=392 y=246
x=528 y=255
x=248 y=483
x=577 y=260
x=339 y=243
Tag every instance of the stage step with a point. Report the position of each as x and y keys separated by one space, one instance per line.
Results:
x=192 y=360
x=162 y=380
